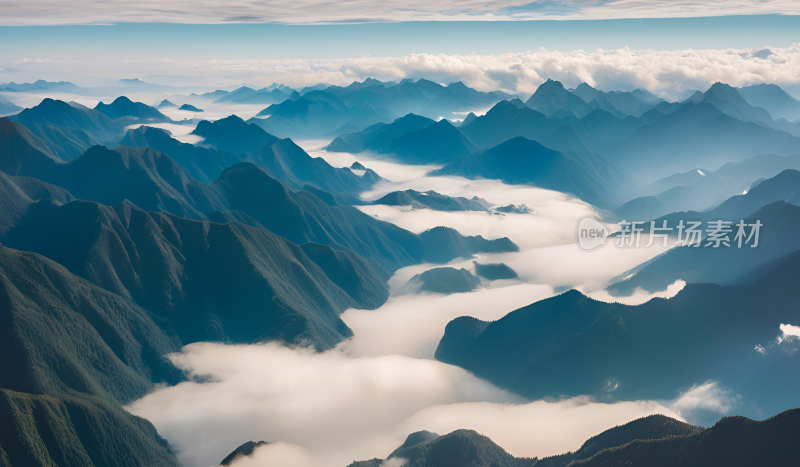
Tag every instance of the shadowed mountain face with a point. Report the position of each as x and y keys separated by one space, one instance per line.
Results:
x=282 y=159
x=319 y=113
x=570 y=344
x=245 y=450
x=522 y=161
x=210 y=282
x=203 y=164
x=73 y=354
x=124 y=107
x=461 y=448
x=153 y=182
x=71 y=129
x=438 y=143
x=19 y=192
x=433 y=200
x=234 y=135
x=734 y=441
x=551 y=97
x=494 y=272
x=444 y=281
x=378 y=137
x=656 y=440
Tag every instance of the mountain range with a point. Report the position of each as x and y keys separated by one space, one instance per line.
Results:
x=655 y=440
x=571 y=345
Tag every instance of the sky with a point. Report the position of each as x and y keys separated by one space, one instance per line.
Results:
x=39 y=12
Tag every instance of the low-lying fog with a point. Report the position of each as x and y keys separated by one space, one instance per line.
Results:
x=361 y=400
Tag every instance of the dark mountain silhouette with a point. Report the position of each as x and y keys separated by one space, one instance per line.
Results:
x=203 y=164
x=74 y=354
x=234 y=135
x=505 y=121
x=165 y=104
x=189 y=108
x=468 y=119
x=570 y=344
x=656 y=440
x=206 y=281
x=19 y=193
x=124 y=107
x=21 y=150
x=461 y=448
x=245 y=450
x=433 y=200
x=774 y=99
x=551 y=97
x=727 y=99
x=379 y=136
x=70 y=130
x=444 y=281
x=282 y=159
x=154 y=182
x=733 y=441
x=522 y=161
x=438 y=143
x=494 y=271
x=654 y=427
x=290 y=164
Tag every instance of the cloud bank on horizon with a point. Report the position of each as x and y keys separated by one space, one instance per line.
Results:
x=45 y=12
x=668 y=73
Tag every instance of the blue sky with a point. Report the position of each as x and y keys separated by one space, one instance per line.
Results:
x=665 y=55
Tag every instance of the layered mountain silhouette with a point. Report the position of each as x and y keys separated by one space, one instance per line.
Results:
x=522 y=161
x=461 y=448
x=433 y=200
x=774 y=99
x=727 y=265
x=319 y=113
x=124 y=107
x=570 y=344
x=282 y=159
x=233 y=135
x=153 y=182
x=203 y=164
x=71 y=129
x=696 y=134
x=7 y=107
x=700 y=190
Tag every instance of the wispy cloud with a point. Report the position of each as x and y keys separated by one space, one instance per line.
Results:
x=317 y=11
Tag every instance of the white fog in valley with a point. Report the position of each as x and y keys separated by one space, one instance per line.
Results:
x=360 y=400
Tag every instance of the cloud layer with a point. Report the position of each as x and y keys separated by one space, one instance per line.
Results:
x=315 y=11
